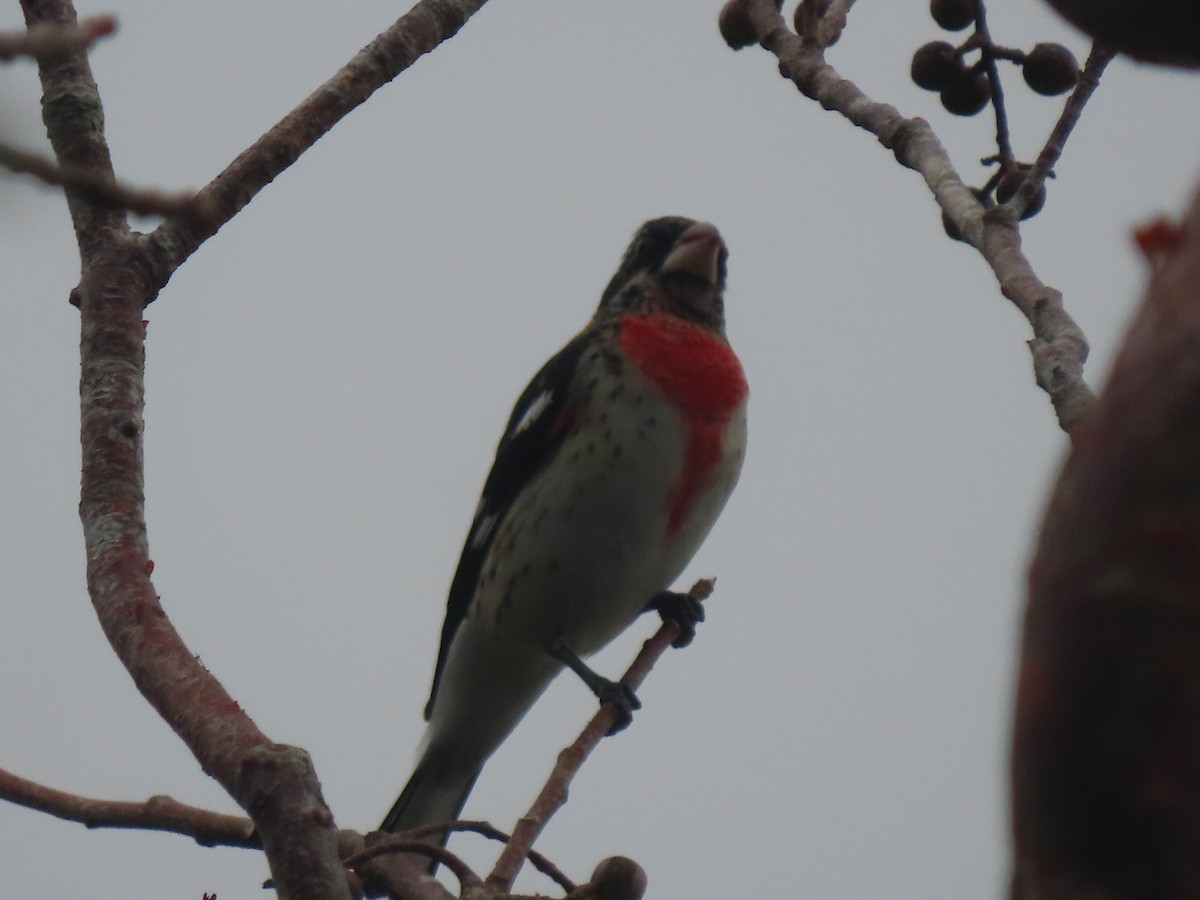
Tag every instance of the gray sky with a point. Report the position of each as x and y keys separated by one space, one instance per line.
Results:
x=328 y=376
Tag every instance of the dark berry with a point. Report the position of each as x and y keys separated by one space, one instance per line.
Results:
x=935 y=66
x=953 y=15
x=735 y=26
x=1008 y=186
x=1050 y=69
x=952 y=231
x=967 y=94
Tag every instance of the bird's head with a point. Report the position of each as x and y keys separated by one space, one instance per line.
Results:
x=673 y=265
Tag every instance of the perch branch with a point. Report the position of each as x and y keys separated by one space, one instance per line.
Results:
x=570 y=760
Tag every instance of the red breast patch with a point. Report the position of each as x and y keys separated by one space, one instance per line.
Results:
x=702 y=376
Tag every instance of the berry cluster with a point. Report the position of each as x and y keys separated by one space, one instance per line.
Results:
x=968 y=87
x=1049 y=69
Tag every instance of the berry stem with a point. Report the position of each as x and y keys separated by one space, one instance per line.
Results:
x=1008 y=53
x=989 y=55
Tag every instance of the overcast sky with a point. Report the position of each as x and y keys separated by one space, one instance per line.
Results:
x=327 y=378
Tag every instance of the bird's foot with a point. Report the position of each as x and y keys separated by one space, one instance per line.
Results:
x=683 y=609
x=613 y=693
x=621 y=698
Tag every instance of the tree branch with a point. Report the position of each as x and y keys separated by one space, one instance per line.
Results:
x=571 y=760
x=275 y=784
x=120 y=274
x=75 y=125
x=1052 y=151
x=1058 y=346
x=102 y=189
x=159 y=813
x=53 y=41
x=417 y=32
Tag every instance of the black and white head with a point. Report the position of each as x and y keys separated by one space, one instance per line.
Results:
x=673 y=265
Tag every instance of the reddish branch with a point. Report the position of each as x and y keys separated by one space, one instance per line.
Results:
x=1106 y=758
x=1058 y=346
x=275 y=784
x=571 y=760
x=120 y=273
x=616 y=878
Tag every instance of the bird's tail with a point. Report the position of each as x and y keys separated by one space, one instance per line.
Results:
x=427 y=799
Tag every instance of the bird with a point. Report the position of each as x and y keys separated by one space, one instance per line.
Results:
x=613 y=467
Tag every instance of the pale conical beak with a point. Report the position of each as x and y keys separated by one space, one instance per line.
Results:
x=696 y=252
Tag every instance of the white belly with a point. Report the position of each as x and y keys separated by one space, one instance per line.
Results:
x=586 y=547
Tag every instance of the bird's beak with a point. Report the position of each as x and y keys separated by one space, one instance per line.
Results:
x=696 y=252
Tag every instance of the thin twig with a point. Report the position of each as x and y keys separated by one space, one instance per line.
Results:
x=1089 y=80
x=393 y=844
x=490 y=831
x=419 y=31
x=102 y=189
x=49 y=42
x=822 y=27
x=159 y=813
x=986 y=48
x=554 y=794
x=833 y=23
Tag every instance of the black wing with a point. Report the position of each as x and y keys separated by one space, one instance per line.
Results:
x=530 y=440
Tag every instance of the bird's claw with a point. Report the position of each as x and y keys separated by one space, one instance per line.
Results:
x=621 y=698
x=613 y=693
x=683 y=609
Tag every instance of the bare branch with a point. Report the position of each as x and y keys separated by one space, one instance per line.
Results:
x=1089 y=80
x=49 y=42
x=159 y=813
x=120 y=274
x=74 y=121
x=820 y=22
x=490 y=831
x=570 y=760
x=417 y=32
x=833 y=23
x=102 y=189
x=275 y=784
x=1058 y=346
x=398 y=844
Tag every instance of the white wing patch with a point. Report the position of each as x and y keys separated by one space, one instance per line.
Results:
x=532 y=412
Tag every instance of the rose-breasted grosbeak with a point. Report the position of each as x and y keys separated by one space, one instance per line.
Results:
x=613 y=467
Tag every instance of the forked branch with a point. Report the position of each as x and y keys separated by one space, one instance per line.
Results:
x=1058 y=346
